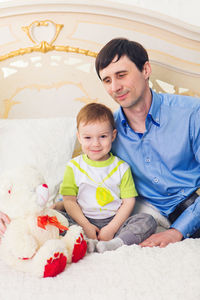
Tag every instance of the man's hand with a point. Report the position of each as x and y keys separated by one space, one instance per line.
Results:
x=162 y=239
x=4 y=219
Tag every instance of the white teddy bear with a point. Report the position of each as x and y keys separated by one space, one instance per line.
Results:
x=32 y=241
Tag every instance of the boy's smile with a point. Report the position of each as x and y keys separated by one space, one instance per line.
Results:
x=96 y=139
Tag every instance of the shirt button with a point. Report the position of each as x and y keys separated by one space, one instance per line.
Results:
x=188 y=235
x=147 y=160
x=155 y=180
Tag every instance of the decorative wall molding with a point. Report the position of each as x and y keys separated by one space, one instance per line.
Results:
x=43 y=45
x=36 y=72
x=32 y=34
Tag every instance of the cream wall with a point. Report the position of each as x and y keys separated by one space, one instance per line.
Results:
x=185 y=11
x=182 y=10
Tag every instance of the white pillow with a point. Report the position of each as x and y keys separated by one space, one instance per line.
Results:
x=143 y=206
x=43 y=143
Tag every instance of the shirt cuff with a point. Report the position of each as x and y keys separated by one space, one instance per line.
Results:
x=189 y=221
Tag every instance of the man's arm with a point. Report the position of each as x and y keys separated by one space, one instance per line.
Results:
x=184 y=227
x=189 y=221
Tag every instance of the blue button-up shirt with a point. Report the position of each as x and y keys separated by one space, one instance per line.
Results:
x=165 y=159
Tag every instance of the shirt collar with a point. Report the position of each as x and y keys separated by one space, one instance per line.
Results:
x=154 y=111
x=123 y=118
x=153 y=114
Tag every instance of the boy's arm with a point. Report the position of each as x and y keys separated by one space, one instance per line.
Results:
x=69 y=190
x=74 y=211
x=108 y=231
x=127 y=194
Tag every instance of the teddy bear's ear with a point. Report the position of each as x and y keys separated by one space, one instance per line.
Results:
x=43 y=194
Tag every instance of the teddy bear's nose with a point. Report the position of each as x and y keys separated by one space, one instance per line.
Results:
x=43 y=194
x=45 y=185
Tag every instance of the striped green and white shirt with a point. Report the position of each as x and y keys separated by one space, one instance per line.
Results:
x=98 y=185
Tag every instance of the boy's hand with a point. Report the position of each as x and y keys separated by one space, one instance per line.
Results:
x=106 y=233
x=91 y=231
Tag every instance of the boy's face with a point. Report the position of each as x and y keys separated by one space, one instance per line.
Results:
x=96 y=139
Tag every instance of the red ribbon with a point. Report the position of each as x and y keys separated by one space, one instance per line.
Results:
x=42 y=221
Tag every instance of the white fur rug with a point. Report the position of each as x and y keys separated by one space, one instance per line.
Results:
x=129 y=273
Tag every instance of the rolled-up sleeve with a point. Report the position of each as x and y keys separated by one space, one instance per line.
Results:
x=189 y=221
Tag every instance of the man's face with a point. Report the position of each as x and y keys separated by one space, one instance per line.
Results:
x=124 y=82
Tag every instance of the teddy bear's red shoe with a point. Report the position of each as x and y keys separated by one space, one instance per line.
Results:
x=80 y=249
x=55 y=265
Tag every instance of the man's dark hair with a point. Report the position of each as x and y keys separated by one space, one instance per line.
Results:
x=121 y=47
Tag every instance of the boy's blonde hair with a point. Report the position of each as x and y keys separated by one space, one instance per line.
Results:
x=94 y=112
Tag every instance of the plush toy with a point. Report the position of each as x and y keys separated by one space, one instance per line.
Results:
x=32 y=241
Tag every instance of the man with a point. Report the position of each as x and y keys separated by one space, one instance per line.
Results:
x=159 y=137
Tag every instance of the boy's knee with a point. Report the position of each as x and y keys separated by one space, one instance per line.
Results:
x=145 y=222
x=143 y=217
x=153 y=223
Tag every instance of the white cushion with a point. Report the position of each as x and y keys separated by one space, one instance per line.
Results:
x=143 y=206
x=43 y=143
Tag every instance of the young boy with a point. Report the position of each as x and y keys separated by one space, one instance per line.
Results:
x=98 y=188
